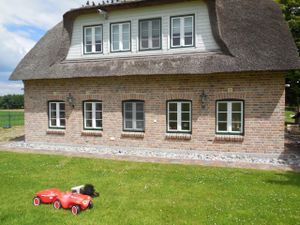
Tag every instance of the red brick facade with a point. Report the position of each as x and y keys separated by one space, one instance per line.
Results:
x=263 y=94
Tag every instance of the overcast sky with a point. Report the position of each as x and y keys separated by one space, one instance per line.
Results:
x=22 y=24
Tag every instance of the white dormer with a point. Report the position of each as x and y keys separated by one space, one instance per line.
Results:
x=163 y=29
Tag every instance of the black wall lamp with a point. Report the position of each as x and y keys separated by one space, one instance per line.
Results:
x=203 y=100
x=71 y=100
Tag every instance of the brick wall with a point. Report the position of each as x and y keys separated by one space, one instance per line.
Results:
x=264 y=110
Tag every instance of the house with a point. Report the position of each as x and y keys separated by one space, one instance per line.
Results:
x=190 y=74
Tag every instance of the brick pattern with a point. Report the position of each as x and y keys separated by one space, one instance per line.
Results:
x=263 y=93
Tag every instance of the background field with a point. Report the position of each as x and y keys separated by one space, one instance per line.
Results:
x=147 y=194
x=11 y=117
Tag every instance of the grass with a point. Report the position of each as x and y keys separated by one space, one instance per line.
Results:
x=16 y=117
x=288 y=116
x=142 y=193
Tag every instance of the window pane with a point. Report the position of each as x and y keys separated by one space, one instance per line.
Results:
x=88 y=115
x=236 y=117
x=156 y=43
x=128 y=124
x=237 y=106
x=125 y=28
x=88 y=48
x=185 y=107
x=156 y=24
x=140 y=107
x=145 y=44
x=140 y=125
x=53 y=106
x=116 y=46
x=98 y=47
x=222 y=117
x=222 y=107
x=98 y=115
x=62 y=115
x=128 y=106
x=173 y=107
x=115 y=37
x=185 y=117
x=176 y=41
x=237 y=127
x=88 y=31
x=62 y=106
x=173 y=125
x=98 y=106
x=144 y=29
x=126 y=45
x=53 y=122
x=88 y=106
x=53 y=114
x=140 y=116
x=89 y=123
x=185 y=126
x=128 y=115
x=62 y=122
x=188 y=41
x=98 y=123
x=222 y=126
x=98 y=34
x=173 y=116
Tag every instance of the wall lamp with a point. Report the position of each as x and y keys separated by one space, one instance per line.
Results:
x=203 y=100
x=71 y=100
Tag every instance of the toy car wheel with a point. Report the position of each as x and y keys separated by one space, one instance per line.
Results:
x=36 y=201
x=75 y=210
x=56 y=204
x=91 y=205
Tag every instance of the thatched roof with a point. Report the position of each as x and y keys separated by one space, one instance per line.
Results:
x=252 y=34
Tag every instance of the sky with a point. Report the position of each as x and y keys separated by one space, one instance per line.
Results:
x=22 y=24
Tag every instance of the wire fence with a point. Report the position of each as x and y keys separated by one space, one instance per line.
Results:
x=10 y=118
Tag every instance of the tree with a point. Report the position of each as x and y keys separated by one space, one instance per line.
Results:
x=291 y=11
x=12 y=102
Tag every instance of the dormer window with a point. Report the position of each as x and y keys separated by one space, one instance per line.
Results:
x=150 y=34
x=182 y=31
x=93 y=39
x=120 y=37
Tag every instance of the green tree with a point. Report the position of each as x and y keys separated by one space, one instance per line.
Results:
x=12 y=102
x=291 y=11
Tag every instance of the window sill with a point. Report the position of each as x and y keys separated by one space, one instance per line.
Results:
x=229 y=138
x=125 y=134
x=91 y=133
x=176 y=136
x=56 y=132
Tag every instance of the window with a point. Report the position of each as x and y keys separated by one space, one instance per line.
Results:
x=93 y=39
x=150 y=34
x=133 y=116
x=230 y=117
x=182 y=31
x=179 y=116
x=120 y=37
x=57 y=115
x=92 y=115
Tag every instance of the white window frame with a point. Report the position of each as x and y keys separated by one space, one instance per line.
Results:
x=179 y=115
x=94 y=111
x=134 y=120
x=57 y=110
x=150 y=36
x=93 y=39
x=121 y=47
x=229 y=117
x=182 y=41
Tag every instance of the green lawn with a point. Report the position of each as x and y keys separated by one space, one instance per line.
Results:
x=14 y=117
x=288 y=116
x=144 y=193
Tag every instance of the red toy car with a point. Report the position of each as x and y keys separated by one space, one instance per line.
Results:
x=67 y=200
x=74 y=201
x=46 y=196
